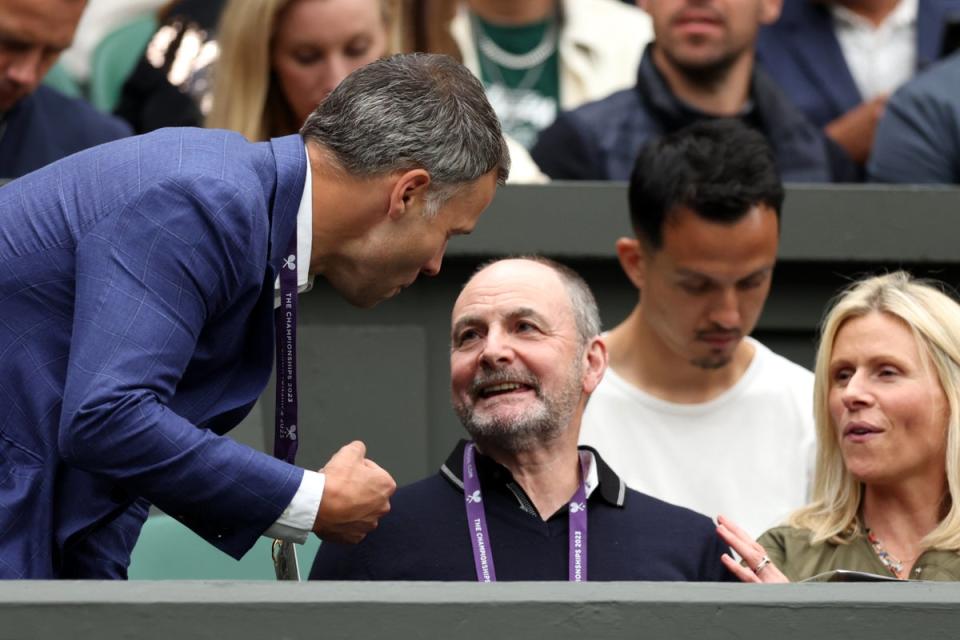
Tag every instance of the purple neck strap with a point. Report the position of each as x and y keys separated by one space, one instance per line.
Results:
x=285 y=442
x=480 y=534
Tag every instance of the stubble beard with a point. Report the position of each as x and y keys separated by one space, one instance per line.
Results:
x=712 y=363
x=709 y=74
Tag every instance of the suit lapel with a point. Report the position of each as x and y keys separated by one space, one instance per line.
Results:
x=822 y=57
x=291 y=163
x=931 y=16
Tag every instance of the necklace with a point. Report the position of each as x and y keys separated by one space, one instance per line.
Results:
x=522 y=88
x=516 y=61
x=892 y=564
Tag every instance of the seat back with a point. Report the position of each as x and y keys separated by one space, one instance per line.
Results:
x=115 y=58
x=167 y=550
x=60 y=79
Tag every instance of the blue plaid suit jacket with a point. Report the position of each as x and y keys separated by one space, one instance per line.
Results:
x=136 y=327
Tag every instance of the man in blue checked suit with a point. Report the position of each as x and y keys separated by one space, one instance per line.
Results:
x=136 y=312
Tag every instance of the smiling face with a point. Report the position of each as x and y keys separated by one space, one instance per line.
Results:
x=703 y=290
x=886 y=403
x=699 y=36
x=519 y=372
x=33 y=33
x=319 y=42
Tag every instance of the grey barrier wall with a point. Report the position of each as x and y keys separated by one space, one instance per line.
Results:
x=558 y=611
x=381 y=375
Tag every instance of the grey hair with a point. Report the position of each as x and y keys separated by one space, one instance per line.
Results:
x=586 y=314
x=412 y=111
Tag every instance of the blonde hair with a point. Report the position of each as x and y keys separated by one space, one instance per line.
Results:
x=934 y=319
x=245 y=97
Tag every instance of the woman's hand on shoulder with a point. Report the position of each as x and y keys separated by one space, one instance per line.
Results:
x=758 y=566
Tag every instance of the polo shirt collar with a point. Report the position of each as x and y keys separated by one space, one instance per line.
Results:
x=601 y=480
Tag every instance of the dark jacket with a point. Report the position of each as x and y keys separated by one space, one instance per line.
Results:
x=600 y=140
x=148 y=100
x=46 y=126
x=918 y=138
x=802 y=54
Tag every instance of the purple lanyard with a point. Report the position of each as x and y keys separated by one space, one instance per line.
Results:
x=285 y=442
x=480 y=534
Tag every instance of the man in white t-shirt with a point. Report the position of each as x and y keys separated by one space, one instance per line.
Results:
x=691 y=410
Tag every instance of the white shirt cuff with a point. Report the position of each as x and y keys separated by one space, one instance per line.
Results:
x=296 y=521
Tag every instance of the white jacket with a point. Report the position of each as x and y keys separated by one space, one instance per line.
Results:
x=600 y=47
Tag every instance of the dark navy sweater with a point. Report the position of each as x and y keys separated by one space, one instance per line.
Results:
x=631 y=536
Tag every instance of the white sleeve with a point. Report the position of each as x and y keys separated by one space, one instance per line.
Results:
x=296 y=521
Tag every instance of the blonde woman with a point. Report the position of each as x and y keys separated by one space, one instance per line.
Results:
x=280 y=58
x=887 y=404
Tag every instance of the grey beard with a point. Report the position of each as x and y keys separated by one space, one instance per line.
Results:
x=528 y=433
x=531 y=430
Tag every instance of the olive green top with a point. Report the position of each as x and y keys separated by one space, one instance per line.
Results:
x=790 y=549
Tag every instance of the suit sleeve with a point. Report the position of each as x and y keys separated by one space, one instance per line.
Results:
x=917 y=141
x=147 y=282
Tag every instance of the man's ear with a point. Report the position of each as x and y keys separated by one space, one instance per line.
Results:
x=630 y=253
x=409 y=190
x=595 y=356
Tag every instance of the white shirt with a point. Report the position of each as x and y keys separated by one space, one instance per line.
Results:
x=600 y=48
x=747 y=454
x=296 y=521
x=880 y=58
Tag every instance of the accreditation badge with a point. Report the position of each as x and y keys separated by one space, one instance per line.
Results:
x=285 y=560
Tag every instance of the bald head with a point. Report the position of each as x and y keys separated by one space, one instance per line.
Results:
x=520 y=371
x=582 y=304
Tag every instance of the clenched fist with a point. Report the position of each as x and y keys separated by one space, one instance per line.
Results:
x=356 y=495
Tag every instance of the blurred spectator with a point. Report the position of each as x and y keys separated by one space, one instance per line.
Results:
x=38 y=124
x=280 y=58
x=918 y=139
x=170 y=84
x=99 y=19
x=701 y=66
x=535 y=57
x=839 y=60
